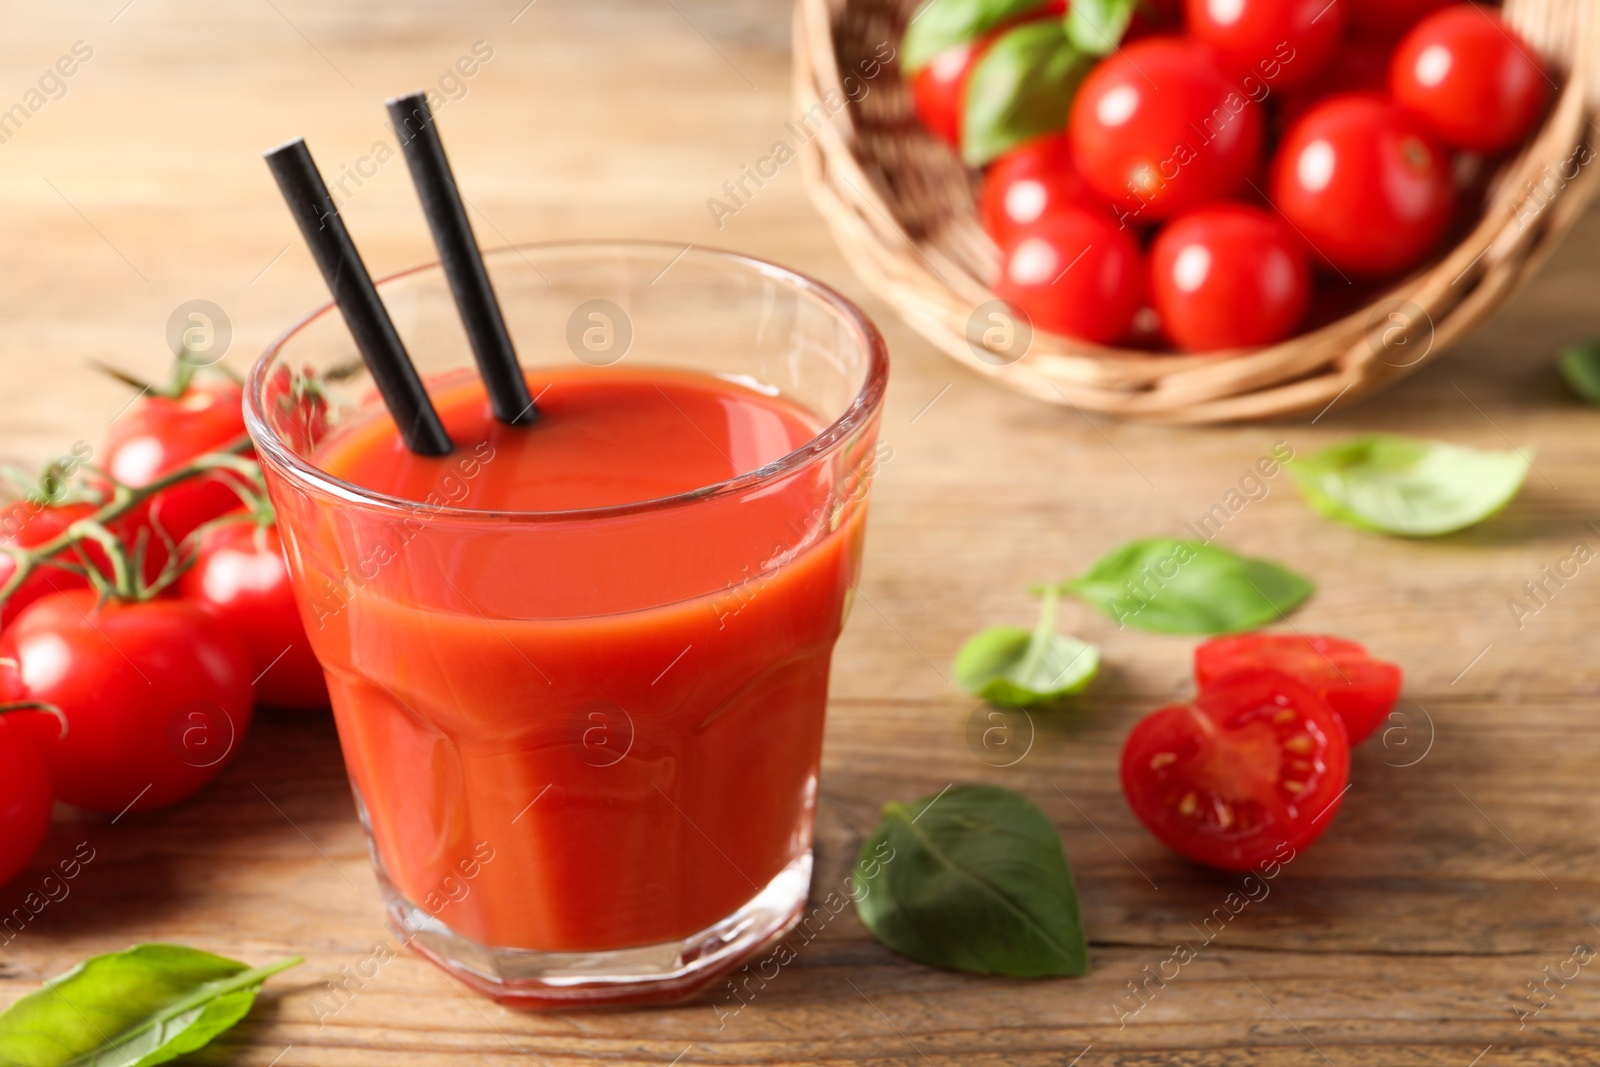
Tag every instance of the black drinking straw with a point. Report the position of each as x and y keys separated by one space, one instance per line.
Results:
x=380 y=347
x=463 y=264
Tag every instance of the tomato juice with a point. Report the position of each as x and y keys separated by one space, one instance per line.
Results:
x=601 y=729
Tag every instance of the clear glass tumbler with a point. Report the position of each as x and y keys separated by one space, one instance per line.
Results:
x=552 y=819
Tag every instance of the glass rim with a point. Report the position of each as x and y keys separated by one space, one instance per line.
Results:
x=271 y=446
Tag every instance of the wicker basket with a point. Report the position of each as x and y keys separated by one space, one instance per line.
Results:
x=902 y=207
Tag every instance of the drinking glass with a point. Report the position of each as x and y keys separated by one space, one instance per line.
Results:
x=599 y=795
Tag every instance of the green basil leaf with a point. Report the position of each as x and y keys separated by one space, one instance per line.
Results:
x=1020 y=88
x=1188 y=587
x=144 y=1006
x=942 y=24
x=1097 y=26
x=1017 y=669
x=973 y=879
x=1580 y=366
x=1405 y=486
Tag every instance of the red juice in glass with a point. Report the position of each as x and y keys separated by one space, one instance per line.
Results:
x=580 y=669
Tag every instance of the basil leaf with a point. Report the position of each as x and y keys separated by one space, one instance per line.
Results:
x=144 y=1006
x=942 y=24
x=1405 y=486
x=1580 y=366
x=973 y=879
x=1017 y=669
x=1097 y=26
x=1020 y=88
x=1188 y=587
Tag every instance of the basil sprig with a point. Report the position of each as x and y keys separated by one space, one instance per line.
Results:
x=942 y=24
x=1406 y=486
x=1097 y=26
x=1188 y=587
x=1020 y=88
x=1580 y=367
x=137 y=1008
x=973 y=879
x=1015 y=668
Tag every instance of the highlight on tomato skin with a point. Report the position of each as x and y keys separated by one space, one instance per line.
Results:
x=1359 y=687
x=1253 y=764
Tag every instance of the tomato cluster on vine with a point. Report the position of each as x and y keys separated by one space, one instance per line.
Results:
x=145 y=611
x=1213 y=175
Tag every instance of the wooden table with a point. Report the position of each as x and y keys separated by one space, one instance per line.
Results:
x=1465 y=860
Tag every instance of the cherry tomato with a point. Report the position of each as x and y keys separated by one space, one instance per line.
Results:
x=1359 y=687
x=158 y=434
x=156 y=695
x=1255 y=767
x=24 y=800
x=1031 y=181
x=1075 y=273
x=1228 y=276
x=240 y=576
x=1390 y=18
x=24 y=524
x=1158 y=127
x=1283 y=43
x=1467 y=75
x=1365 y=184
x=938 y=90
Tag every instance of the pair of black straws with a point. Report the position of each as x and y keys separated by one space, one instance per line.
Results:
x=379 y=344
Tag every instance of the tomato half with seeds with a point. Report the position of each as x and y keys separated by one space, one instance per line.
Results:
x=1256 y=763
x=1358 y=686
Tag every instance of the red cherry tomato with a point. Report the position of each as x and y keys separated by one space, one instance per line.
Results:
x=1365 y=184
x=1390 y=18
x=240 y=576
x=1158 y=127
x=1253 y=770
x=158 y=434
x=1032 y=181
x=24 y=800
x=1282 y=43
x=1228 y=276
x=1470 y=79
x=1359 y=687
x=938 y=90
x=25 y=525
x=1075 y=273
x=156 y=695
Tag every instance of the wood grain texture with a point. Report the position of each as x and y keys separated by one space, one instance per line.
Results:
x=1407 y=936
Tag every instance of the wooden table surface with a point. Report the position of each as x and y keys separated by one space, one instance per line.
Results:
x=1463 y=866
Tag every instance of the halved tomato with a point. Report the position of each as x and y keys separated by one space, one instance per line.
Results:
x=1249 y=773
x=1357 y=685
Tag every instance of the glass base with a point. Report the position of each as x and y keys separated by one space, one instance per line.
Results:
x=672 y=970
